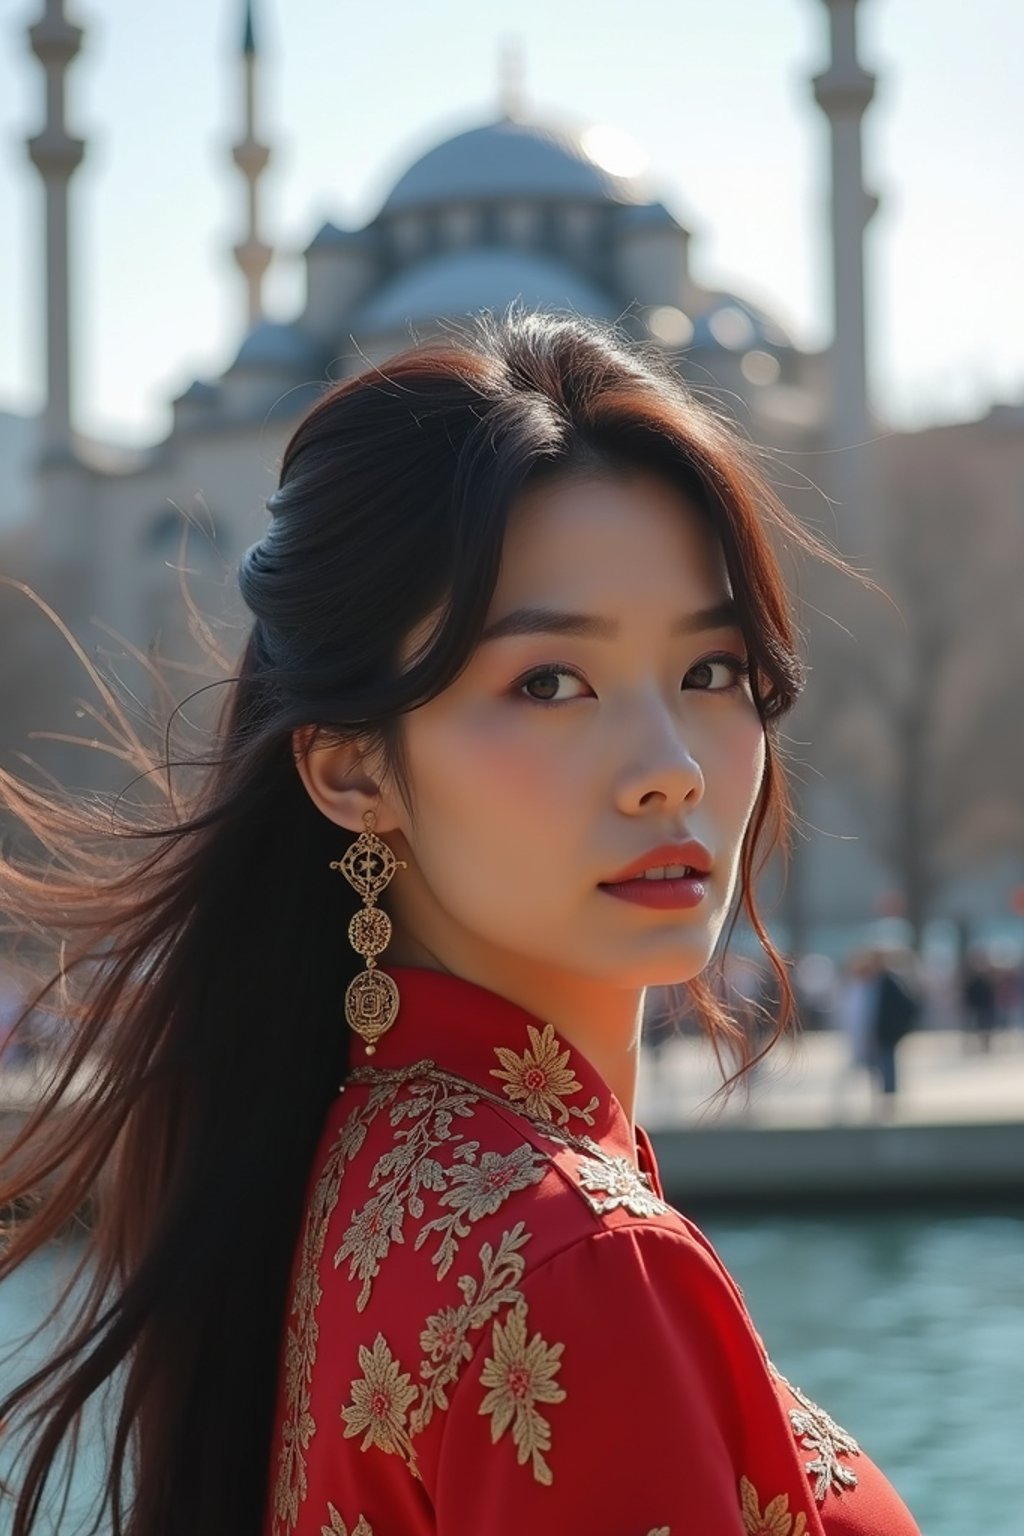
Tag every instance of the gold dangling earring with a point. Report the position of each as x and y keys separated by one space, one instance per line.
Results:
x=371 y=998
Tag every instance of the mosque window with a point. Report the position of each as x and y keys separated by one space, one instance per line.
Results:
x=460 y=225
x=490 y=225
x=519 y=223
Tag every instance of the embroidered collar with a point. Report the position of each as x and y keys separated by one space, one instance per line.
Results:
x=474 y=1033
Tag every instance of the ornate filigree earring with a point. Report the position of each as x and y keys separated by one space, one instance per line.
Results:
x=371 y=998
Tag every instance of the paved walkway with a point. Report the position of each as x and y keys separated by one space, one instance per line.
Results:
x=805 y=1082
x=942 y=1080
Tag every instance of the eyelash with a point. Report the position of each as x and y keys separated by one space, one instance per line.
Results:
x=740 y=668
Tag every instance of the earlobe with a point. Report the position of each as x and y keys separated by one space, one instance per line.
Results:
x=334 y=776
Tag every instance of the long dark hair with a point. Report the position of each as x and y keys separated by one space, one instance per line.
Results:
x=201 y=954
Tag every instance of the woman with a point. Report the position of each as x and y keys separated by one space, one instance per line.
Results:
x=380 y=1248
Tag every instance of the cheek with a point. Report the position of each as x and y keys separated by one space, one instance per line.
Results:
x=493 y=801
x=494 y=762
x=485 y=779
x=758 y=757
x=736 y=777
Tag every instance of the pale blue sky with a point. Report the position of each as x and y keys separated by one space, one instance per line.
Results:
x=716 y=91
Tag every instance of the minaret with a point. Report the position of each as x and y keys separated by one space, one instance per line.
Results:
x=511 y=71
x=844 y=93
x=251 y=158
x=56 y=156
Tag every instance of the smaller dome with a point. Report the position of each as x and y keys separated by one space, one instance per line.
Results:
x=330 y=237
x=463 y=282
x=272 y=344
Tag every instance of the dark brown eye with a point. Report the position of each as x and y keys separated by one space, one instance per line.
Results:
x=546 y=680
x=544 y=685
x=716 y=674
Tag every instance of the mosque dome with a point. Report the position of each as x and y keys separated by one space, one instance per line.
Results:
x=462 y=282
x=512 y=159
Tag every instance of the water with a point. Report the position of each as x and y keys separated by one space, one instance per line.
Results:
x=909 y=1330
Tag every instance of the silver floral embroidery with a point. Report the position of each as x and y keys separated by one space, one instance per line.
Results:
x=819 y=1432
x=619 y=1184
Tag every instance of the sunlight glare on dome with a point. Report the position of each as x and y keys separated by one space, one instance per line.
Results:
x=613 y=150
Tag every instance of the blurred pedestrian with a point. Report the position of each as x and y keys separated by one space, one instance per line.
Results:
x=897 y=1010
x=978 y=1000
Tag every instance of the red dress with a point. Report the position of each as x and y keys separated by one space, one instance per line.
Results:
x=496 y=1324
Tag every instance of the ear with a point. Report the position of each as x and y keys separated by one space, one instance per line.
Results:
x=337 y=778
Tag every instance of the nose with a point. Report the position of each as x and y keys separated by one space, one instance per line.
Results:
x=663 y=772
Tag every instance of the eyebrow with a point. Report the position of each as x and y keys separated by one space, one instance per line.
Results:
x=554 y=621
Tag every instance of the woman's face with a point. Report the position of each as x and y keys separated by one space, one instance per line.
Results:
x=557 y=758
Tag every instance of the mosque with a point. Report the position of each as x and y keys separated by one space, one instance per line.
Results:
x=515 y=209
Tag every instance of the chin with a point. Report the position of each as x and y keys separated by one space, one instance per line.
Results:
x=676 y=972
x=670 y=965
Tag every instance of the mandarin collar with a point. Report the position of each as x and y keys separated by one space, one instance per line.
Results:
x=509 y=1052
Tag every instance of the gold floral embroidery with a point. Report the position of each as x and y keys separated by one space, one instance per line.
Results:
x=472 y=1186
x=423 y=1122
x=298 y=1425
x=382 y=1398
x=540 y=1080
x=820 y=1433
x=445 y=1338
x=520 y=1375
x=380 y=1403
x=622 y=1185
x=776 y=1519
x=477 y=1190
x=338 y=1527
x=622 y=1182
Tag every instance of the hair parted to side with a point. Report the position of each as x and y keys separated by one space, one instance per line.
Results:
x=202 y=950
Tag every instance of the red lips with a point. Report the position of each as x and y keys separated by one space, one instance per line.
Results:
x=691 y=853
